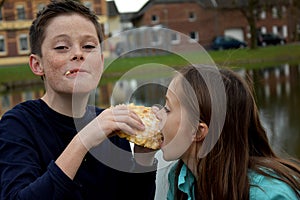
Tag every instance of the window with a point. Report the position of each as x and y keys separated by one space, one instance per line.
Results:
x=263 y=30
x=283 y=11
x=88 y=4
x=23 y=43
x=175 y=38
x=21 y=12
x=284 y=31
x=275 y=30
x=154 y=19
x=155 y=38
x=40 y=6
x=192 y=16
x=274 y=12
x=1 y=17
x=194 y=36
x=2 y=44
x=263 y=14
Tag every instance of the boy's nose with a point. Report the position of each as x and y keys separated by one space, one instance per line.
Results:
x=78 y=53
x=77 y=57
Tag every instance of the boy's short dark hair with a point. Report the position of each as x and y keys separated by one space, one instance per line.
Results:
x=54 y=9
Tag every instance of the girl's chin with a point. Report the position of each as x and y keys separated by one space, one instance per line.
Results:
x=167 y=154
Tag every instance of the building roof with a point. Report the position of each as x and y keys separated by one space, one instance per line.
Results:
x=125 y=17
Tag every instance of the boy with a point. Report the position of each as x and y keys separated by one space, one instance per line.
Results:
x=57 y=147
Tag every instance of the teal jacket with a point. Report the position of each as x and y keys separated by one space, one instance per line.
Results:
x=261 y=187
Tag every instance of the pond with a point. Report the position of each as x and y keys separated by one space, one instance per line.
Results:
x=277 y=90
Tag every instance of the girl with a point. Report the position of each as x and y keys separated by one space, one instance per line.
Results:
x=241 y=163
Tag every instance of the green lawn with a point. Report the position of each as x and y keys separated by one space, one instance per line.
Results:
x=242 y=58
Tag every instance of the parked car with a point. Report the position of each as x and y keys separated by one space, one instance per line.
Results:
x=269 y=39
x=227 y=42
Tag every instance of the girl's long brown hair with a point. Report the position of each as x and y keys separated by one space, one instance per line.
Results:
x=242 y=145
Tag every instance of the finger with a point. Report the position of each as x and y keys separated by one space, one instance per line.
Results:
x=121 y=111
x=132 y=122
x=125 y=128
x=156 y=107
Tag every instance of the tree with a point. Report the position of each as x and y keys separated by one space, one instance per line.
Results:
x=295 y=21
x=250 y=9
x=1 y=3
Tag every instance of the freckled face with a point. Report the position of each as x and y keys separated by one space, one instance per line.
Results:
x=176 y=128
x=71 y=56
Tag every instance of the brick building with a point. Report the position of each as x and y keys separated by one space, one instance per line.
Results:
x=15 y=19
x=201 y=20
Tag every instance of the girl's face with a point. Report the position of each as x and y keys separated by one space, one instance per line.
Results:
x=71 y=56
x=177 y=130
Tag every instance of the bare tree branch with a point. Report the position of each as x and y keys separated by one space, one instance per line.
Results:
x=1 y=3
x=251 y=9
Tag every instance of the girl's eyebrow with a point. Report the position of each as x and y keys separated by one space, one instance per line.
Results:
x=168 y=100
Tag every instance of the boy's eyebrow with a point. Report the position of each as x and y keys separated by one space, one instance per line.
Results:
x=67 y=36
x=61 y=36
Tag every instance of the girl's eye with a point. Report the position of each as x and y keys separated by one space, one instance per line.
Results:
x=166 y=109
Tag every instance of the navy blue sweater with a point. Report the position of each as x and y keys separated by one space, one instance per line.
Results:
x=32 y=136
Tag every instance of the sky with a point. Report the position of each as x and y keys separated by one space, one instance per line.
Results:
x=125 y=6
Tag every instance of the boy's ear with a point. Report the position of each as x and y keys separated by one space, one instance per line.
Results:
x=35 y=65
x=201 y=132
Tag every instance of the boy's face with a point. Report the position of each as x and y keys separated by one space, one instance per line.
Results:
x=71 y=55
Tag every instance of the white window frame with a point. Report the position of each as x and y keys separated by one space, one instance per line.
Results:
x=21 y=14
x=275 y=12
x=177 y=40
x=23 y=51
x=263 y=14
x=285 y=31
x=2 y=37
x=192 y=19
x=196 y=39
x=155 y=34
x=275 y=30
x=263 y=30
x=156 y=20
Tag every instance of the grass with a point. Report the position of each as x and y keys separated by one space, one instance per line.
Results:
x=241 y=58
x=258 y=58
x=16 y=73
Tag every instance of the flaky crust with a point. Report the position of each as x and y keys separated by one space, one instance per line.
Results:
x=151 y=136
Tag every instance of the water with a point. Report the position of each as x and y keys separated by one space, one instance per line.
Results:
x=277 y=90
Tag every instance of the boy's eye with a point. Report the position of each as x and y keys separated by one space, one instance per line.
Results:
x=60 y=47
x=89 y=47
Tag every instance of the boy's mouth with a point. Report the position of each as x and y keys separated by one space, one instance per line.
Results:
x=69 y=72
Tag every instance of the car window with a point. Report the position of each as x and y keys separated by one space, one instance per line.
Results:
x=228 y=39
